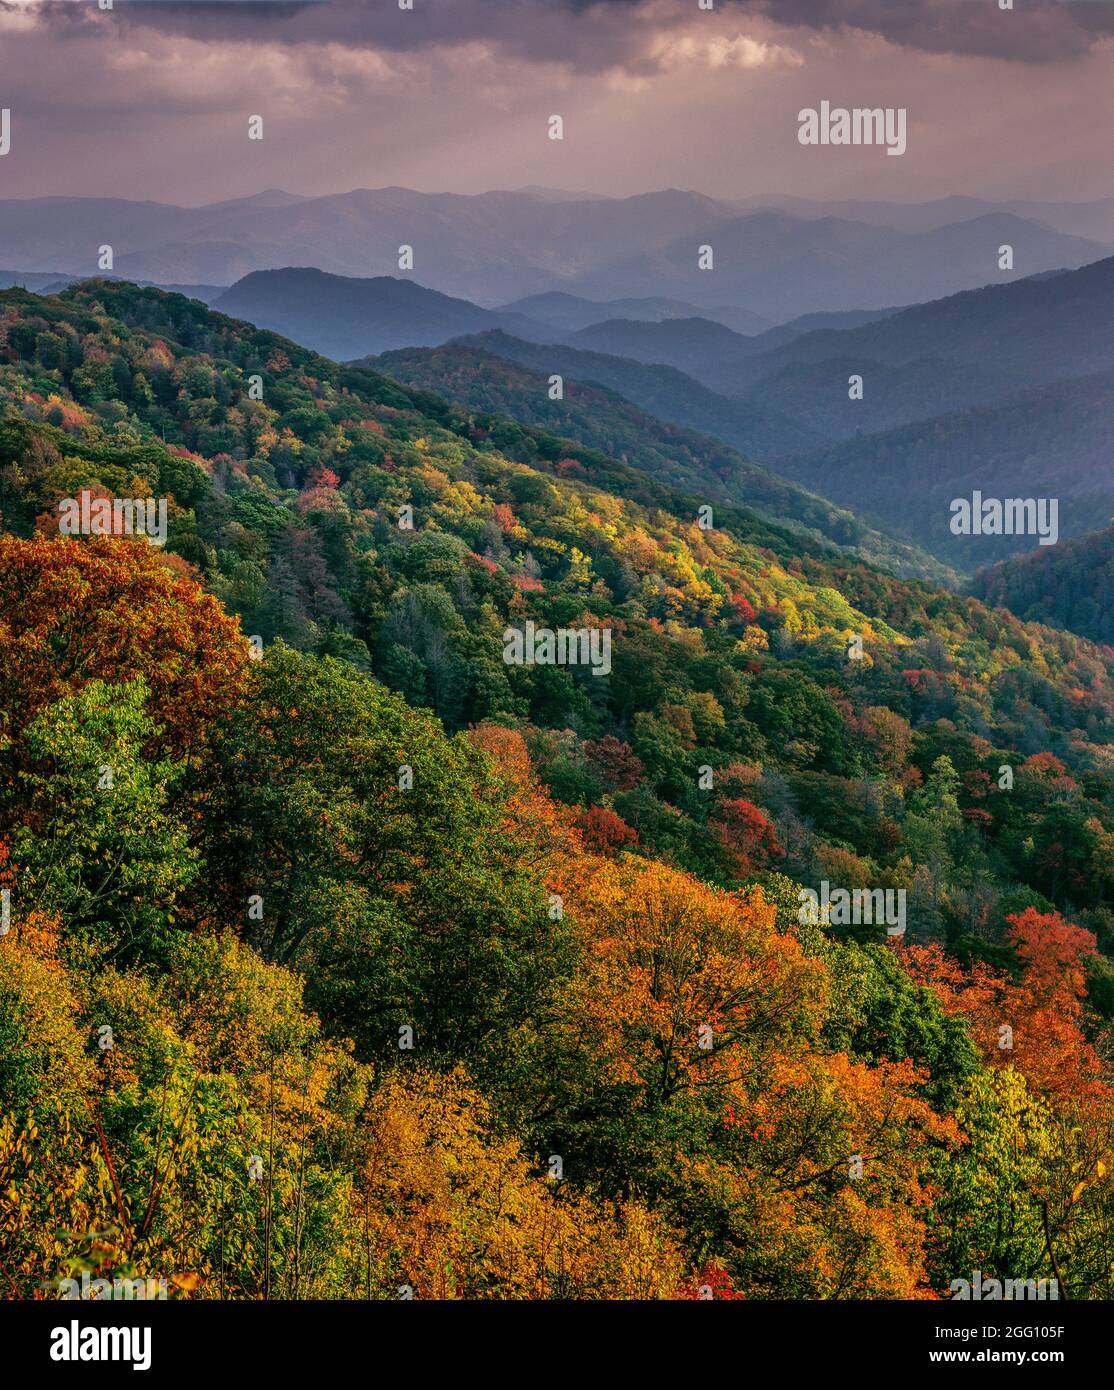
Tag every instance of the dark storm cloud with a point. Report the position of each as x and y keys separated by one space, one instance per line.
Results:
x=590 y=38
x=596 y=34
x=1034 y=31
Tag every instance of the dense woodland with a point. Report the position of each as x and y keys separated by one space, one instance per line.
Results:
x=450 y=1032
x=693 y=461
x=1069 y=586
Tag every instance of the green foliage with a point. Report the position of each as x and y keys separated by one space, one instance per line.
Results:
x=103 y=849
x=379 y=853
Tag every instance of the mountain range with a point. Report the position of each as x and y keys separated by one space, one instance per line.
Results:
x=1003 y=389
x=500 y=246
x=1006 y=390
x=1093 y=219
x=774 y=713
x=344 y=318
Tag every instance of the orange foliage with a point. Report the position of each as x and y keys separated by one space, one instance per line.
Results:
x=668 y=957
x=75 y=611
x=548 y=838
x=692 y=997
x=746 y=834
x=1034 y=1023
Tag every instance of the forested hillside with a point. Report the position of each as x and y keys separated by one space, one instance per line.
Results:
x=599 y=418
x=1070 y=586
x=422 y=969
x=1050 y=441
x=750 y=426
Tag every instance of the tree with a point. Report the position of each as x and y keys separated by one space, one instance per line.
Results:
x=604 y=832
x=891 y=736
x=103 y=850
x=746 y=835
x=379 y=858
x=74 y=611
x=446 y=1207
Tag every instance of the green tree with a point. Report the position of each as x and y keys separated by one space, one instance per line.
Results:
x=103 y=848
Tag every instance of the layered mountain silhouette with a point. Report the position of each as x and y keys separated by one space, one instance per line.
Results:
x=344 y=318
x=570 y=312
x=1049 y=441
x=1004 y=389
x=497 y=247
x=749 y=425
x=1008 y=390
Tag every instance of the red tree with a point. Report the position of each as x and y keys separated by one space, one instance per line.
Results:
x=604 y=832
x=747 y=836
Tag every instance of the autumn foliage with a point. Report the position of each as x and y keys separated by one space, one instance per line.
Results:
x=382 y=963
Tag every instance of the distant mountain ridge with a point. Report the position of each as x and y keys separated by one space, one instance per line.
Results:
x=345 y=318
x=757 y=430
x=1093 y=219
x=571 y=312
x=494 y=248
x=1008 y=390
x=1034 y=330
x=1049 y=441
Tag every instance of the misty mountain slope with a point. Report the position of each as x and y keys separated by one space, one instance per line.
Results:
x=1093 y=220
x=703 y=345
x=823 y=318
x=665 y=392
x=783 y=266
x=971 y=250
x=709 y=351
x=967 y=349
x=1048 y=441
x=791 y=412
x=817 y=395
x=571 y=312
x=601 y=419
x=345 y=318
x=1032 y=330
x=1068 y=586
x=814 y=393
x=489 y=246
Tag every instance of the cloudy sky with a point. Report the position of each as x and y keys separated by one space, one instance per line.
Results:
x=152 y=99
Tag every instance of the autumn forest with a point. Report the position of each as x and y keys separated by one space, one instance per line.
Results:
x=346 y=960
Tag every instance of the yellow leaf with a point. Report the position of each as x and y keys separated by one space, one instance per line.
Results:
x=1100 y=1168
x=187 y=1281
x=1077 y=1190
